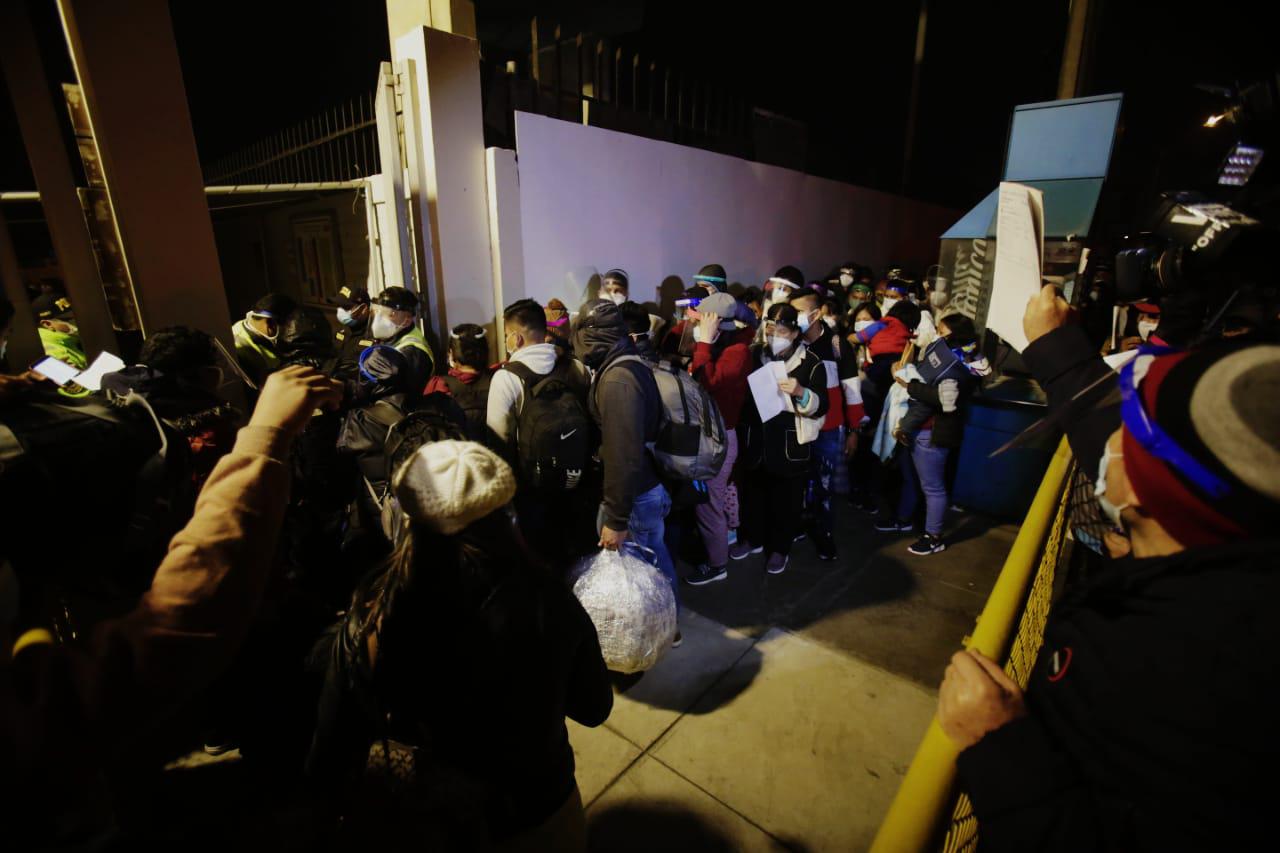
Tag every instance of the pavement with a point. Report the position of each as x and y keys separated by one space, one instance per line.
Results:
x=789 y=715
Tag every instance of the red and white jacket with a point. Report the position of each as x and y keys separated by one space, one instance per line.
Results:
x=844 y=388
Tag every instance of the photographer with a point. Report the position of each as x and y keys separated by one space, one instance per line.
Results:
x=1146 y=721
x=72 y=710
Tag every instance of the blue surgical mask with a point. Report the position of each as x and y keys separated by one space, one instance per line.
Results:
x=1110 y=510
x=804 y=323
x=345 y=318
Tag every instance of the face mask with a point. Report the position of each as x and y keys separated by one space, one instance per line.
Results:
x=862 y=325
x=345 y=318
x=383 y=327
x=778 y=345
x=889 y=302
x=938 y=299
x=804 y=323
x=1110 y=510
x=615 y=297
x=698 y=337
x=1145 y=329
x=511 y=345
x=830 y=321
x=845 y=279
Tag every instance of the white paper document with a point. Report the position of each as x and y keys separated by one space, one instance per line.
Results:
x=1019 y=254
x=91 y=377
x=770 y=401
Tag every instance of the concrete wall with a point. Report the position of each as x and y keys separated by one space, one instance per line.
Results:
x=592 y=199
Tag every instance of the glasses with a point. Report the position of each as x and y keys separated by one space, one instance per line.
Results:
x=1159 y=443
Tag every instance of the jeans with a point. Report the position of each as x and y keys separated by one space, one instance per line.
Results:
x=924 y=469
x=828 y=456
x=714 y=516
x=646 y=527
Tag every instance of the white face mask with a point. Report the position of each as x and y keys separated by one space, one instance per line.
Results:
x=615 y=297
x=830 y=321
x=938 y=299
x=383 y=327
x=778 y=344
x=699 y=338
x=805 y=322
x=1110 y=510
x=862 y=324
x=845 y=279
x=1145 y=329
x=889 y=302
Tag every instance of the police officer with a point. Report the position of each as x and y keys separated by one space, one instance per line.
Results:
x=256 y=336
x=352 y=338
x=393 y=316
x=58 y=333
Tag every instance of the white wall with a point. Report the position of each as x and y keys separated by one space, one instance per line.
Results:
x=592 y=199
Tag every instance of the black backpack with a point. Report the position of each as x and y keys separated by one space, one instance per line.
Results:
x=473 y=398
x=553 y=430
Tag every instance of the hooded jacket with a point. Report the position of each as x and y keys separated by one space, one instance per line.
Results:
x=625 y=404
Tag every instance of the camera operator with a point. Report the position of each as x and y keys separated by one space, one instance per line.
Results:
x=1146 y=723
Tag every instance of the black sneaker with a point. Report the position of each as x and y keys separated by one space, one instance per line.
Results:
x=705 y=574
x=893 y=525
x=742 y=549
x=826 y=547
x=927 y=544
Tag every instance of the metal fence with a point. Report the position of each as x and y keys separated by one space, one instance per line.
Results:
x=1021 y=598
x=338 y=144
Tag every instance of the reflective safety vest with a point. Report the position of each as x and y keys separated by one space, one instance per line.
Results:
x=249 y=344
x=63 y=347
x=412 y=338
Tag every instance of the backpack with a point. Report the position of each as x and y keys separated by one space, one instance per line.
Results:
x=691 y=445
x=553 y=430
x=473 y=398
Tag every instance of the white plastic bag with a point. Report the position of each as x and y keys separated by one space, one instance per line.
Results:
x=631 y=603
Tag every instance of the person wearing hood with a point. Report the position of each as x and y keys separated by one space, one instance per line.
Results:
x=256 y=335
x=393 y=320
x=721 y=363
x=778 y=452
x=625 y=404
x=58 y=332
x=469 y=377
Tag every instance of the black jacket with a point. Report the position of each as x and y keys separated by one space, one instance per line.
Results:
x=948 y=427
x=1064 y=362
x=625 y=403
x=774 y=444
x=1152 y=711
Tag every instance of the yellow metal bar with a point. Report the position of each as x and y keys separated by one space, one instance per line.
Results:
x=924 y=798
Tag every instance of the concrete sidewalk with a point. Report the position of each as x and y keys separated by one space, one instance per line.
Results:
x=787 y=718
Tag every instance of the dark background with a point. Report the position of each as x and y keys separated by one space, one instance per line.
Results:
x=843 y=69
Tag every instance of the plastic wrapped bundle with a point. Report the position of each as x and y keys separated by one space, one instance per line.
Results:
x=631 y=604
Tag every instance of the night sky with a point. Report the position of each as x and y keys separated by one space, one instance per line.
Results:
x=843 y=69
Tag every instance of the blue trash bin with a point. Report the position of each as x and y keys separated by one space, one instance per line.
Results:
x=1005 y=485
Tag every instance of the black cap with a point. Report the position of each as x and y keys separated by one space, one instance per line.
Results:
x=277 y=306
x=397 y=299
x=51 y=306
x=350 y=296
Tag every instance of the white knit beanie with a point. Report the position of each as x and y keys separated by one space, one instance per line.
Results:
x=447 y=485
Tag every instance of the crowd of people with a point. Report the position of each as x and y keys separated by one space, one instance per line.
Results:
x=381 y=546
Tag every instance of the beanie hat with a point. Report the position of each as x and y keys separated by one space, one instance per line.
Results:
x=1218 y=408
x=448 y=485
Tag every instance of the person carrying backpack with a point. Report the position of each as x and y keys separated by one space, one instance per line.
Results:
x=538 y=420
x=469 y=377
x=626 y=403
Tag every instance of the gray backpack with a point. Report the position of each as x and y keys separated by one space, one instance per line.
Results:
x=691 y=444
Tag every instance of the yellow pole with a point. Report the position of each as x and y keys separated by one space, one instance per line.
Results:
x=924 y=797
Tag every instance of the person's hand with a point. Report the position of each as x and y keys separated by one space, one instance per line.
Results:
x=13 y=387
x=708 y=323
x=1045 y=312
x=976 y=698
x=291 y=395
x=1130 y=343
x=900 y=379
x=902 y=438
x=791 y=387
x=610 y=539
x=851 y=444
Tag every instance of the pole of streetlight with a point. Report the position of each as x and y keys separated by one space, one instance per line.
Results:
x=914 y=103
